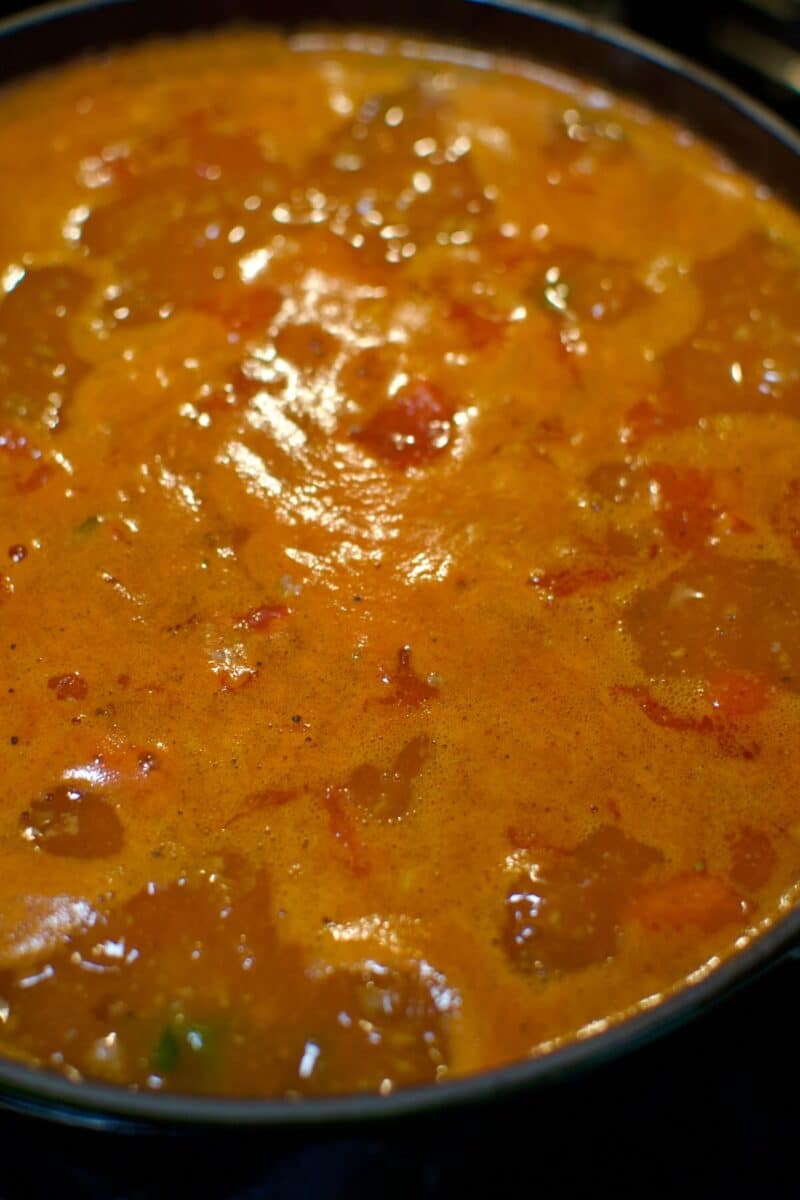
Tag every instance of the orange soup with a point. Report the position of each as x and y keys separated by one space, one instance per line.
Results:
x=400 y=595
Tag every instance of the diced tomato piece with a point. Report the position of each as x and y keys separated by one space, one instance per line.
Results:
x=571 y=580
x=343 y=828
x=478 y=330
x=550 y=429
x=737 y=694
x=118 y=531
x=616 y=482
x=268 y=798
x=17 y=446
x=660 y=714
x=644 y=420
x=407 y=687
x=684 y=504
x=115 y=765
x=38 y=477
x=501 y=253
x=264 y=616
x=232 y=664
x=230 y=681
x=413 y=429
x=249 y=310
x=688 y=513
x=71 y=686
x=693 y=899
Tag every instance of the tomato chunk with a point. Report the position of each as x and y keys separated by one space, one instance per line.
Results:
x=413 y=429
x=661 y=714
x=407 y=688
x=261 y=801
x=250 y=311
x=264 y=616
x=71 y=686
x=342 y=825
x=645 y=419
x=39 y=476
x=684 y=504
x=571 y=580
x=479 y=331
x=737 y=694
x=718 y=726
x=236 y=679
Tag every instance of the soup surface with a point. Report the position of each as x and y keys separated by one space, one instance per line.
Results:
x=400 y=596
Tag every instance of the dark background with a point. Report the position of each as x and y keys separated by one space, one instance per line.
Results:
x=712 y=1110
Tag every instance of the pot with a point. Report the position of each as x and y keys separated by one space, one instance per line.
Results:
x=750 y=135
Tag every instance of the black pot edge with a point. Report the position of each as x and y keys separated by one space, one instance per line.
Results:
x=49 y=1096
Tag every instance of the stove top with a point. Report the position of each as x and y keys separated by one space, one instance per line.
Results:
x=710 y=1110
x=713 y=1109
x=754 y=43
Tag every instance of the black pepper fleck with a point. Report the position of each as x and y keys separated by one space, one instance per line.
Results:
x=297 y=718
x=14 y=741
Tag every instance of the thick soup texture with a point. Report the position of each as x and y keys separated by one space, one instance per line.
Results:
x=400 y=585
